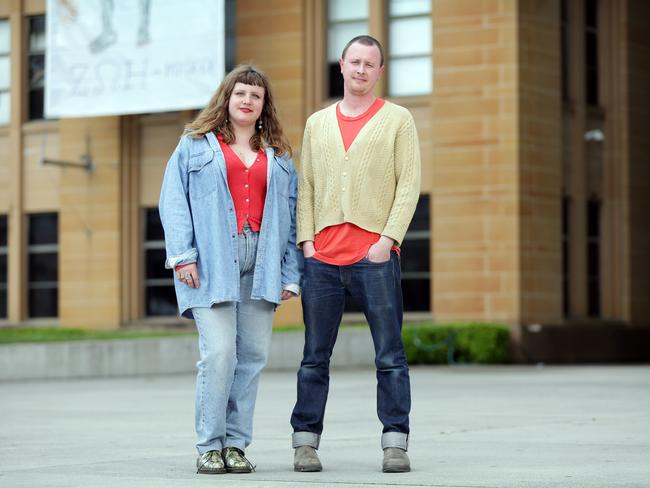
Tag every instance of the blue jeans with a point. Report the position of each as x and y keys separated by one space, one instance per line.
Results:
x=376 y=288
x=234 y=339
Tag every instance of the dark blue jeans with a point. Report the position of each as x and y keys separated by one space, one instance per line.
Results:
x=376 y=288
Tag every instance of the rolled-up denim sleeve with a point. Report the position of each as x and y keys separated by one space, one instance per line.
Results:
x=292 y=260
x=175 y=210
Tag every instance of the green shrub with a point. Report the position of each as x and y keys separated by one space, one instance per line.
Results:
x=462 y=343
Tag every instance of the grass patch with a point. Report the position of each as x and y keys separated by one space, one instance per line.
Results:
x=14 y=335
x=424 y=343
x=288 y=328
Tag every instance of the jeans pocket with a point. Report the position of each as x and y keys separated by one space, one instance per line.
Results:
x=367 y=260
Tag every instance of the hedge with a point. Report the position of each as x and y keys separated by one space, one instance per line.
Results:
x=456 y=343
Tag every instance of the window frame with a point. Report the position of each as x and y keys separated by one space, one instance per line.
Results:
x=391 y=58
x=566 y=255
x=4 y=253
x=420 y=235
x=30 y=88
x=328 y=95
x=149 y=283
x=317 y=42
x=592 y=66
x=42 y=248
x=7 y=55
x=593 y=253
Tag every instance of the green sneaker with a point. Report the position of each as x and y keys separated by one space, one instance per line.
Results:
x=210 y=462
x=236 y=462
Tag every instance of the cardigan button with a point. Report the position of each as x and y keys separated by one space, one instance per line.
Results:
x=346 y=158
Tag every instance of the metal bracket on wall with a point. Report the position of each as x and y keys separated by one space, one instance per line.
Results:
x=85 y=163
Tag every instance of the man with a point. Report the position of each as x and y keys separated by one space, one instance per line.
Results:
x=359 y=186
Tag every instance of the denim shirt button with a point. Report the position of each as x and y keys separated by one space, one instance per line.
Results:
x=233 y=236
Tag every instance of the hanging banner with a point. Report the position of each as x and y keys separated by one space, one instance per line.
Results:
x=113 y=57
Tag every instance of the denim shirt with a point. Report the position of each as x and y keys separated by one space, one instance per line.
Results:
x=198 y=216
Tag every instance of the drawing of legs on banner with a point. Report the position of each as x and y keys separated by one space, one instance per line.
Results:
x=143 y=30
x=108 y=36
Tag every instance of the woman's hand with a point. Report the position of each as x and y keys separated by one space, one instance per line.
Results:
x=189 y=275
x=308 y=249
x=286 y=294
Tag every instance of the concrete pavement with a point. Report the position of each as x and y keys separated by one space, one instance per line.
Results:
x=510 y=426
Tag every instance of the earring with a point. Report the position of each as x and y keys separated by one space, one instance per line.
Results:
x=259 y=124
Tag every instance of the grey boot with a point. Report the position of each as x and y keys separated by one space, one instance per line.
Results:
x=305 y=459
x=395 y=461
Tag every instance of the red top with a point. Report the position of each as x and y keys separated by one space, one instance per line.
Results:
x=346 y=243
x=351 y=126
x=247 y=186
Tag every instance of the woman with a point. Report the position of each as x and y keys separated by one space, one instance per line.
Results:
x=227 y=205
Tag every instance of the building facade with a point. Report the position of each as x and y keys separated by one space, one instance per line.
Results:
x=535 y=205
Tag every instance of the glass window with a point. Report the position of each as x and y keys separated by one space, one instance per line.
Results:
x=3 y=266
x=409 y=76
x=159 y=294
x=346 y=19
x=566 y=255
x=591 y=52
x=593 y=257
x=346 y=10
x=416 y=261
x=410 y=28
x=5 y=37
x=564 y=48
x=43 y=265
x=36 y=67
x=5 y=72
x=409 y=7
x=43 y=229
x=231 y=35
x=409 y=47
x=3 y=231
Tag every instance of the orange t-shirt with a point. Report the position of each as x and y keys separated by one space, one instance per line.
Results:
x=346 y=243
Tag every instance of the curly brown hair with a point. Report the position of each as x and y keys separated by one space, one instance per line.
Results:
x=214 y=117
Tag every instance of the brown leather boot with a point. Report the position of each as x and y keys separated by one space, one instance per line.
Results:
x=305 y=459
x=395 y=461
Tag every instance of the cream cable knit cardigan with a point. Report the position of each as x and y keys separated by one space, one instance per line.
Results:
x=374 y=185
